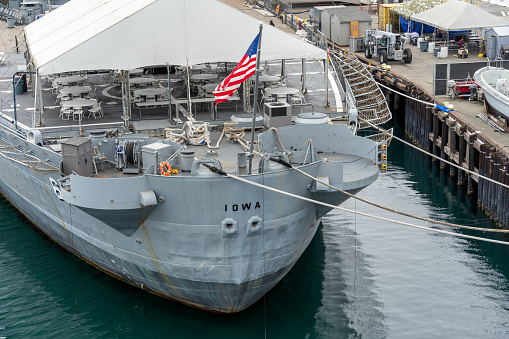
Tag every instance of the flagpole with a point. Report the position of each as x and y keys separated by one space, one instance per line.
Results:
x=255 y=103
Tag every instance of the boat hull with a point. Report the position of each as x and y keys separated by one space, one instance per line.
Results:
x=495 y=98
x=218 y=252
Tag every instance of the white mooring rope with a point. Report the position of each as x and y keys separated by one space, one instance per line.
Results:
x=436 y=156
x=364 y=214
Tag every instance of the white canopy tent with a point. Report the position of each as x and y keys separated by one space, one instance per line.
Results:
x=126 y=34
x=458 y=16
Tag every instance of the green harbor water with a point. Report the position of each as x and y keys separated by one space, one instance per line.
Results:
x=359 y=278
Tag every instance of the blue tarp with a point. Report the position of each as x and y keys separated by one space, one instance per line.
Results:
x=414 y=26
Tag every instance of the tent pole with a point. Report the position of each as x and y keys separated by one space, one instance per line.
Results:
x=36 y=96
x=128 y=95
x=189 y=93
x=41 y=103
x=124 y=109
x=304 y=88
x=169 y=92
x=283 y=69
x=79 y=122
x=326 y=72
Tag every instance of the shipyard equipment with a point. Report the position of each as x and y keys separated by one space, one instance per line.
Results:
x=386 y=46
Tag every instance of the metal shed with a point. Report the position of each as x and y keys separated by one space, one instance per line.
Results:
x=497 y=42
x=318 y=15
x=341 y=22
x=77 y=156
x=325 y=19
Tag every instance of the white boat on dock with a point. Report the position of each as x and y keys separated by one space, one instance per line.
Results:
x=494 y=82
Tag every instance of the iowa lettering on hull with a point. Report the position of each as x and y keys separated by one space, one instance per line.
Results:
x=244 y=207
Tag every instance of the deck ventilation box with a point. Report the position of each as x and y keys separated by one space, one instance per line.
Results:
x=277 y=114
x=77 y=156
x=154 y=154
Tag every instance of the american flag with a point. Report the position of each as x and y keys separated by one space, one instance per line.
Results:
x=244 y=69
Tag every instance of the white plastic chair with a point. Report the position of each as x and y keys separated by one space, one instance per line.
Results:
x=65 y=112
x=96 y=111
x=76 y=113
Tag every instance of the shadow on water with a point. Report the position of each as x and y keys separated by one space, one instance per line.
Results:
x=50 y=293
x=447 y=200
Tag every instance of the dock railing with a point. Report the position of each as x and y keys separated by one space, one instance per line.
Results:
x=339 y=75
x=282 y=10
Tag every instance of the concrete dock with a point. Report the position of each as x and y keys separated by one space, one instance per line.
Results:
x=460 y=136
x=420 y=73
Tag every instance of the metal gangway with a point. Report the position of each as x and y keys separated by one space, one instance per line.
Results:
x=7 y=13
x=369 y=99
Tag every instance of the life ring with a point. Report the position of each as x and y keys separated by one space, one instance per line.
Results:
x=165 y=168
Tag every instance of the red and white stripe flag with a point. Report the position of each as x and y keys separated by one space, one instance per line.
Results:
x=244 y=69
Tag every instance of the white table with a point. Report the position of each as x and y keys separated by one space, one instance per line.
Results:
x=267 y=78
x=138 y=72
x=79 y=103
x=198 y=68
x=76 y=90
x=282 y=92
x=209 y=88
x=78 y=106
x=141 y=81
x=279 y=91
x=65 y=81
x=203 y=76
x=156 y=92
x=150 y=91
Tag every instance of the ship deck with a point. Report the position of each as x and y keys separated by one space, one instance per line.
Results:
x=152 y=121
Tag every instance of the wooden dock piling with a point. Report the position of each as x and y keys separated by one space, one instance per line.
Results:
x=450 y=138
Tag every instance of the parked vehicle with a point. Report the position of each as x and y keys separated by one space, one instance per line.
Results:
x=386 y=46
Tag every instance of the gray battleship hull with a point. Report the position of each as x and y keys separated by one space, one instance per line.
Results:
x=180 y=247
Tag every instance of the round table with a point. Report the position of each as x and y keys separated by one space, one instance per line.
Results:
x=267 y=78
x=156 y=92
x=76 y=90
x=78 y=107
x=141 y=81
x=72 y=79
x=79 y=103
x=204 y=76
x=280 y=91
x=150 y=91
x=209 y=87
x=136 y=72
x=198 y=67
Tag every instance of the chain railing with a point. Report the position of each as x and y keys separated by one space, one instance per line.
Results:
x=282 y=10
